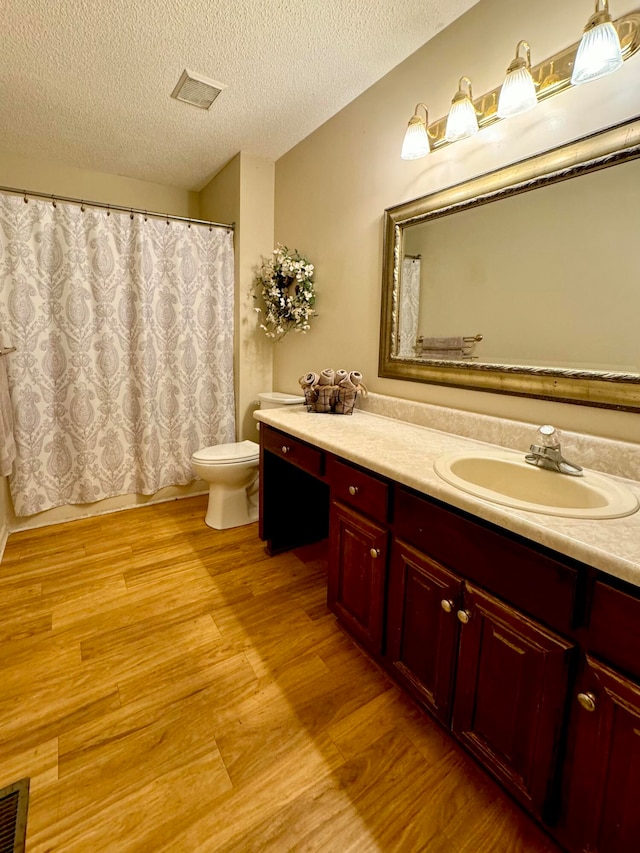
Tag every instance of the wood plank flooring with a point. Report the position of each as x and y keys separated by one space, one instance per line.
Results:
x=168 y=687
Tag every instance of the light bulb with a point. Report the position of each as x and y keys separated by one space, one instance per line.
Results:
x=518 y=92
x=599 y=52
x=416 y=139
x=462 y=120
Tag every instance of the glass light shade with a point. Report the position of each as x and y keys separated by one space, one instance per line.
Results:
x=416 y=141
x=518 y=93
x=462 y=120
x=599 y=54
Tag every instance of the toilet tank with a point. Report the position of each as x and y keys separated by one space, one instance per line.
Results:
x=276 y=399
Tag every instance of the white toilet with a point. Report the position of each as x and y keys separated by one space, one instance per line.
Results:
x=232 y=473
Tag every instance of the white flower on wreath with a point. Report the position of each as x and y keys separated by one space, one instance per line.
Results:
x=285 y=285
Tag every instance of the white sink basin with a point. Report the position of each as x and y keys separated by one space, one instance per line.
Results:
x=502 y=476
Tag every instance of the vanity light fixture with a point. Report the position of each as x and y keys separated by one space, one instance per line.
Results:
x=544 y=80
x=416 y=139
x=462 y=121
x=599 y=52
x=518 y=92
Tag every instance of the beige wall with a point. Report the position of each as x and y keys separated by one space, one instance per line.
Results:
x=44 y=177
x=332 y=188
x=243 y=193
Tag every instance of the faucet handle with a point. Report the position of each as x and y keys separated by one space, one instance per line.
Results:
x=549 y=436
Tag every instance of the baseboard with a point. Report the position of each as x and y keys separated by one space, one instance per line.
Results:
x=4 y=535
x=108 y=506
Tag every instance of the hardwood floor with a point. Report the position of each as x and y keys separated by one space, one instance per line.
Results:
x=168 y=687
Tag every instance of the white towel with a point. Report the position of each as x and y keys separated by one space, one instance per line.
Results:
x=7 y=442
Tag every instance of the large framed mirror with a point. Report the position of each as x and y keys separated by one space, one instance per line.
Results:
x=525 y=280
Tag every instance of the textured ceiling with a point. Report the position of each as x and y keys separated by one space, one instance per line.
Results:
x=88 y=82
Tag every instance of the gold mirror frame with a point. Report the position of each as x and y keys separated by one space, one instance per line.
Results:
x=585 y=387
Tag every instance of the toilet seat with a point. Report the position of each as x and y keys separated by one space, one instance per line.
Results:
x=228 y=454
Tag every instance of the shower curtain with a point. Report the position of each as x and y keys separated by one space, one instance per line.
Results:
x=123 y=328
x=409 y=307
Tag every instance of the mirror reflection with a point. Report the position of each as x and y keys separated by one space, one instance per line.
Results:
x=524 y=280
x=543 y=278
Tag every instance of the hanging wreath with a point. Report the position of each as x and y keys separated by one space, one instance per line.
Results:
x=285 y=285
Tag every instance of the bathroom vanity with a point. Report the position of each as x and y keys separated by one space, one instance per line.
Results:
x=519 y=633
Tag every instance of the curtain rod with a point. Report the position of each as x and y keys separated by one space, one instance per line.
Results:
x=130 y=210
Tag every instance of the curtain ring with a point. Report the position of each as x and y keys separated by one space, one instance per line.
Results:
x=189 y=225
x=26 y=200
x=167 y=218
x=108 y=210
x=131 y=214
x=145 y=216
x=82 y=207
x=53 y=201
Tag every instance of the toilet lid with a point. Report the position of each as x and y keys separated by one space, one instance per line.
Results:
x=280 y=399
x=237 y=451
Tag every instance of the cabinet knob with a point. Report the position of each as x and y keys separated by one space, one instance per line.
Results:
x=285 y=449
x=463 y=616
x=353 y=490
x=587 y=701
x=446 y=605
x=375 y=553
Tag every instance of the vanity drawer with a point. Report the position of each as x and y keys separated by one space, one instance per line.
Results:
x=532 y=581
x=358 y=489
x=614 y=628
x=310 y=459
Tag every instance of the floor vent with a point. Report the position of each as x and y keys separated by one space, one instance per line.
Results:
x=196 y=90
x=14 y=800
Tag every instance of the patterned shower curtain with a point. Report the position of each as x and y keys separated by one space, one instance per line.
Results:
x=123 y=367
x=409 y=307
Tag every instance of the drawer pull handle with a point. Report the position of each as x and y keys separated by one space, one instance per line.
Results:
x=587 y=701
x=464 y=616
x=353 y=490
x=285 y=449
x=446 y=605
x=375 y=553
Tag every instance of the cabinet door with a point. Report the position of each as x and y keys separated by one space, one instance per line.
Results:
x=422 y=628
x=510 y=695
x=602 y=804
x=357 y=574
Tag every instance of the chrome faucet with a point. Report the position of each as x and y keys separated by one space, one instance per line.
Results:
x=547 y=454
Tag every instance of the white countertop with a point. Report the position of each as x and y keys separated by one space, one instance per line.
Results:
x=405 y=452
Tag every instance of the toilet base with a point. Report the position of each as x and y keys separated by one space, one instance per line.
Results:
x=229 y=506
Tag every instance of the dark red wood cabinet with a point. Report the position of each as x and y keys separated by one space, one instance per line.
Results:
x=422 y=627
x=358 y=537
x=494 y=676
x=357 y=573
x=511 y=684
x=602 y=812
x=530 y=659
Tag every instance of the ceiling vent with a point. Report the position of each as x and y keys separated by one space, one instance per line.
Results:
x=196 y=90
